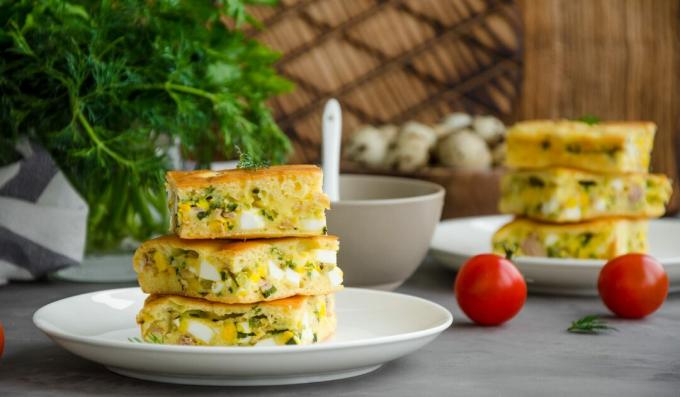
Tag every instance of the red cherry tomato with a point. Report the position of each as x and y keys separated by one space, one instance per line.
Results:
x=490 y=290
x=2 y=339
x=633 y=285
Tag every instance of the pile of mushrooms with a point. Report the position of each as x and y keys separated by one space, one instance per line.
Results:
x=459 y=141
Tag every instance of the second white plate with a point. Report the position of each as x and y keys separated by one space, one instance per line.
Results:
x=374 y=327
x=456 y=240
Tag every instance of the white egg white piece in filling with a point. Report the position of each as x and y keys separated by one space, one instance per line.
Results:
x=217 y=287
x=292 y=277
x=616 y=184
x=307 y=335
x=251 y=220
x=200 y=331
x=327 y=256
x=208 y=272
x=551 y=239
x=335 y=277
x=313 y=224
x=243 y=327
x=550 y=207
x=274 y=271
x=573 y=213
x=266 y=342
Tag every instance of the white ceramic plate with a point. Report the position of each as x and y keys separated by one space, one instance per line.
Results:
x=456 y=240
x=374 y=327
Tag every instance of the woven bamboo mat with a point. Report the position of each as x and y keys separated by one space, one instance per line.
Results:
x=390 y=61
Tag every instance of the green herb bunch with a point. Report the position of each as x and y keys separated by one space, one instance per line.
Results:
x=106 y=86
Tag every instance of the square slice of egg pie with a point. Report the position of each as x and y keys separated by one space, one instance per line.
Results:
x=278 y=201
x=570 y=195
x=604 y=238
x=607 y=147
x=178 y=320
x=239 y=271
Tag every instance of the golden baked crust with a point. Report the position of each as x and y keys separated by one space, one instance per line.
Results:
x=569 y=126
x=602 y=147
x=603 y=238
x=265 y=203
x=156 y=302
x=236 y=245
x=236 y=271
x=171 y=319
x=570 y=195
x=202 y=178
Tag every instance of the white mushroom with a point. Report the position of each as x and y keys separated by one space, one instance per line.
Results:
x=489 y=128
x=464 y=149
x=415 y=130
x=389 y=132
x=452 y=123
x=412 y=147
x=368 y=146
x=410 y=154
x=498 y=154
x=390 y=161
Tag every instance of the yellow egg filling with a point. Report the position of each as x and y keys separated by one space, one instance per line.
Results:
x=567 y=195
x=264 y=274
x=258 y=206
x=240 y=325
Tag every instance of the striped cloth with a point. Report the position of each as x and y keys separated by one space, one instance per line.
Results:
x=43 y=220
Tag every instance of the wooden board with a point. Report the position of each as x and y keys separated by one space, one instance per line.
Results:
x=389 y=61
x=617 y=59
x=468 y=192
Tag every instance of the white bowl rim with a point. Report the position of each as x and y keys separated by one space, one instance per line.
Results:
x=438 y=191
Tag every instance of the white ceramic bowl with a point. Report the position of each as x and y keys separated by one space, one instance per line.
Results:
x=385 y=225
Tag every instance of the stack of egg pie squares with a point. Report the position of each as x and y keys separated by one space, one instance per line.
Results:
x=250 y=261
x=579 y=190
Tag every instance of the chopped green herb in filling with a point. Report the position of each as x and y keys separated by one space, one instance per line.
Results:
x=573 y=148
x=585 y=238
x=535 y=181
x=268 y=214
x=586 y=184
x=267 y=293
x=153 y=338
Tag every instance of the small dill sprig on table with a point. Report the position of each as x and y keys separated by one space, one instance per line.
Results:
x=591 y=324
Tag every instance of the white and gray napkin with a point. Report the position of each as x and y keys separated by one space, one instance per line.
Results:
x=43 y=219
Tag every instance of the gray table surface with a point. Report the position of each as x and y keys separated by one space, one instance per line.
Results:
x=532 y=355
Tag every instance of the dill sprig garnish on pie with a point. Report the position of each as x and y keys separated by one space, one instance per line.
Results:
x=589 y=119
x=248 y=162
